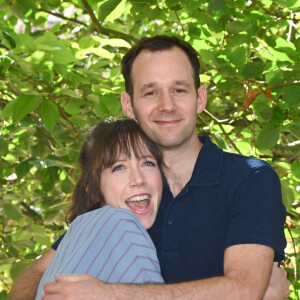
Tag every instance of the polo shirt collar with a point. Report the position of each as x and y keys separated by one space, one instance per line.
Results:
x=208 y=165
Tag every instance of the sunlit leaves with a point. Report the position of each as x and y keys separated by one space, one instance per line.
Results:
x=49 y=113
x=9 y=38
x=252 y=70
x=60 y=76
x=108 y=8
x=23 y=8
x=3 y=147
x=12 y=211
x=268 y=137
x=20 y=107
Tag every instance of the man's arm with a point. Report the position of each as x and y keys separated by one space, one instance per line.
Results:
x=247 y=272
x=25 y=286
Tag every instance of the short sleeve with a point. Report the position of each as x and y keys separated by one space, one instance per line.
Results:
x=257 y=214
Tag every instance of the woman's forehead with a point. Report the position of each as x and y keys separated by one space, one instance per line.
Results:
x=138 y=151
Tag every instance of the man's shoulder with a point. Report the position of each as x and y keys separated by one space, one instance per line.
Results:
x=242 y=161
x=239 y=168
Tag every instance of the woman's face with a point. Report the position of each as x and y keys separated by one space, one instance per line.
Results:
x=134 y=184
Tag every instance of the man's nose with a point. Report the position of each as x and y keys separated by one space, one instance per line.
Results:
x=166 y=102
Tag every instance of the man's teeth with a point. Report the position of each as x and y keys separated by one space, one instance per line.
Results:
x=138 y=198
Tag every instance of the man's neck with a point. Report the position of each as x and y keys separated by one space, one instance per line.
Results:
x=179 y=164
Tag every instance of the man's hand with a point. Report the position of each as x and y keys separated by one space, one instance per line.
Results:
x=278 y=288
x=77 y=287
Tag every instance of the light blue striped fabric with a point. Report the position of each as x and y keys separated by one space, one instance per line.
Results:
x=108 y=243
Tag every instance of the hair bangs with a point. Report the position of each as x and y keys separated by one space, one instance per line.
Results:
x=125 y=144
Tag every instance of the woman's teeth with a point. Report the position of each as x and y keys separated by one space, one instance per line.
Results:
x=138 y=198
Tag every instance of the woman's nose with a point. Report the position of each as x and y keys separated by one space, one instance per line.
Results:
x=137 y=177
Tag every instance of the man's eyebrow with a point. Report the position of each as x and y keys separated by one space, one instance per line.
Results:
x=182 y=82
x=154 y=84
x=148 y=85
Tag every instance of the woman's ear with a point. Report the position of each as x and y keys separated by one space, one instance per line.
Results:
x=201 y=99
x=126 y=105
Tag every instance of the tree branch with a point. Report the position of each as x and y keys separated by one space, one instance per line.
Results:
x=30 y=212
x=101 y=29
x=223 y=130
x=62 y=16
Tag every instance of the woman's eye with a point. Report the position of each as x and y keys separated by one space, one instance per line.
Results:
x=117 y=168
x=149 y=163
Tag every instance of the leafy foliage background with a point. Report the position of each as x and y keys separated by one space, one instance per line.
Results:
x=60 y=75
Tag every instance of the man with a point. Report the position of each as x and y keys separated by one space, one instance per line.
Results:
x=220 y=223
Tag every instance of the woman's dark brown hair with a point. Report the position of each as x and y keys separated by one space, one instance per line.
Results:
x=103 y=145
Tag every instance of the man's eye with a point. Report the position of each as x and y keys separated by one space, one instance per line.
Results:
x=151 y=93
x=179 y=91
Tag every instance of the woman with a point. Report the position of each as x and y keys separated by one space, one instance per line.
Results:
x=114 y=202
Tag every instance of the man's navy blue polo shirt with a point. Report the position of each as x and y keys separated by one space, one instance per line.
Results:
x=229 y=200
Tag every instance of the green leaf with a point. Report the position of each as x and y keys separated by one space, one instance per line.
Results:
x=111 y=104
x=251 y=70
x=268 y=137
x=221 y=142
x=216 y=7
x=24 y=105
x=48 y=163
x=73 y=106
x=291 y=95
x=3 y=147
x=23 y=8
x=8 y=110
x=277 y=116
x=16 y=269
x=238 y=26
x=116 y=43
x=12 y=211
x=106 y=8
x=67 y=186
x=102 y=53
x=274 y=77
x=287 y=195
x=295 y=168
x=9 y=38
x=6 y=61
x=22 y=168
x=117 y=12
x=49 y=113
x=40 y=234
x=294 y=128
x=238 y=56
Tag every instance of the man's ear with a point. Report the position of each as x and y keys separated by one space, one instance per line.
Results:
x=202 y=97
x=126 y=105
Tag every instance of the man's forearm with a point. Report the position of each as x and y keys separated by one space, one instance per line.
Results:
x=247 y=271
x=25 y=286
x=82 y=287
x=212 y=288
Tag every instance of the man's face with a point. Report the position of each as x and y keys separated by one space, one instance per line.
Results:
x=165 y=101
